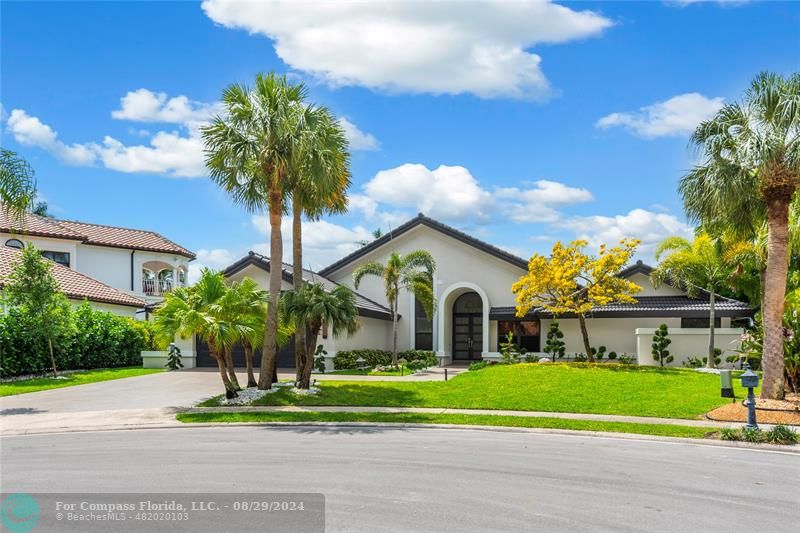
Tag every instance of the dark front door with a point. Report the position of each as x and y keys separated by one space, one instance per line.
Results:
x=467 y=327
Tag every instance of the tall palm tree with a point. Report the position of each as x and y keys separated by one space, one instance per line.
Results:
x=202 y=310
x=694 y=266
x=412 y=272
x=313 y=308
x=253 y=152
x=750 y=171
x=17 y=185
x=319 y=188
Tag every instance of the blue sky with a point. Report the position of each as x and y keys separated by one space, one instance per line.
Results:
x=519 y=122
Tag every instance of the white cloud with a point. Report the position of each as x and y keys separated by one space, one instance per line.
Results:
x=453 y=194
x=143 y=105
x=168 y=153
x=215 y=259
x=447 y=192
x=177 y=153
x=31 y=131
x=358 y=139
x=478 y=47
x=679 y=115
x=649 y=227
x=537 y=204
x=323 y=242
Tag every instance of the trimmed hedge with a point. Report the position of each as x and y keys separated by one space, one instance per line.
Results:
x=98 y=340
x=346 y=359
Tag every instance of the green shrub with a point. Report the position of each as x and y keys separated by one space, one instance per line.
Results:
x=730 y=434
x=477 y=365
x=581 y=357
x=752 y=435
x=555 y=346
x=612 y=355
x=625 y=359
x=508 y=350
x=599 y=353
x=530 y=358
x=347 y=359
x=781 y=434
x=97 y=340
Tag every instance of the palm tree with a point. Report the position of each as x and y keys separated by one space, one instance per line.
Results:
x=749 y=254
x=412 y=272
x=251 y=308
x=253 y=153
x=313 y=308
x=750 y=171
x=319 y=188
x=17 y=185
x=203 y=310
x=694 y=266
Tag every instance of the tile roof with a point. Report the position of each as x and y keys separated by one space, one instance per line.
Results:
x=681 y=306
x=75 y=285
x=365 y=305
x=421 y=219
x=95 y=234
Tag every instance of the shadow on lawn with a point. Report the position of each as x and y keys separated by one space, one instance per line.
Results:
x=348 y=393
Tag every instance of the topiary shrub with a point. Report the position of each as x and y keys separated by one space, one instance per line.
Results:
x=555 y=347
x=661 y=342
x=347 y=359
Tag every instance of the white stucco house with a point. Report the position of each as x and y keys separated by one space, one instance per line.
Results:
x=121 y=270
x=476 y=308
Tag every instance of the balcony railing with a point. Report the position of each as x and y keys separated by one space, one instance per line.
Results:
x=152 y=287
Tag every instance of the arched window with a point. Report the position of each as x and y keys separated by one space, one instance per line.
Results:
x=15 y=243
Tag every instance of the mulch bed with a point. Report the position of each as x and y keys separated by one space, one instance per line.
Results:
x=767 y=411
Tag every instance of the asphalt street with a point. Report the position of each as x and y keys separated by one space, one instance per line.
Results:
x=404 y=479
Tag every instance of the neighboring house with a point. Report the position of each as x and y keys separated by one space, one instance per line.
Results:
x=140 y=263
x=476 y=308
x=78 y=287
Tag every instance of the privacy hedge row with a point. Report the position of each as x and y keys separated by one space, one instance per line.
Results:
x=97 y=340
x=346 y=359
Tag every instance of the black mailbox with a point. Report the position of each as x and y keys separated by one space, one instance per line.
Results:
x=749 y=379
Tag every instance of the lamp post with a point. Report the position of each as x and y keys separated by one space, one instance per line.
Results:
x=749 y=382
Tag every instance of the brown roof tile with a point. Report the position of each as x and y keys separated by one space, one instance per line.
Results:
x=95 y=234
x=74 y=284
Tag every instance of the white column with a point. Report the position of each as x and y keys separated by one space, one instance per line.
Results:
x=174 y=276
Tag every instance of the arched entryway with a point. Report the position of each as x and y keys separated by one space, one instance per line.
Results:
x=472 y=314
x=467 y=332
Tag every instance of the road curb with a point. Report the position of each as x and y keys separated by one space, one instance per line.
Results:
x=785 y=449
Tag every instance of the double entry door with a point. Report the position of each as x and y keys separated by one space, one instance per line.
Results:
x=467 y=336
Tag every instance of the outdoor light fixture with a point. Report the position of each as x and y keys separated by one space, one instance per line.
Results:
x=726 y=384
x=749 y=382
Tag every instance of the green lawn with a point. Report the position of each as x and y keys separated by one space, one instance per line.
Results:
x=70 y=380
x=575 y=388
x=478 y=420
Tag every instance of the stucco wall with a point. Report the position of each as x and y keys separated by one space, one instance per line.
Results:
x=43 y=243
x=616 y=334
x=649 y=290
x=112 y=266
x=121 y=310
x=688 y=343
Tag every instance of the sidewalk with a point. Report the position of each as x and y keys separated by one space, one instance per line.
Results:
x=435 y=410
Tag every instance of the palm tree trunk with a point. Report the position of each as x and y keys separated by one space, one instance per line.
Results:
x=269 y=350
x=305 y=380
x=711 y=305
x=297 y=278
x=585 y=335
x=394 y=331
x=230 y=391
x=52 y=356
x=775 y=290
x=248 y=361
x=231 y=369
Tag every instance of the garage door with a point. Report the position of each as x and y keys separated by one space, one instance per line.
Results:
x=285 y=356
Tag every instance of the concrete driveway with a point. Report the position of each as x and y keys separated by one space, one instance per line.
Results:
x=141 y=401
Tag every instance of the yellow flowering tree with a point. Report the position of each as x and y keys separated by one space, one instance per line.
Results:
x=572 y=281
